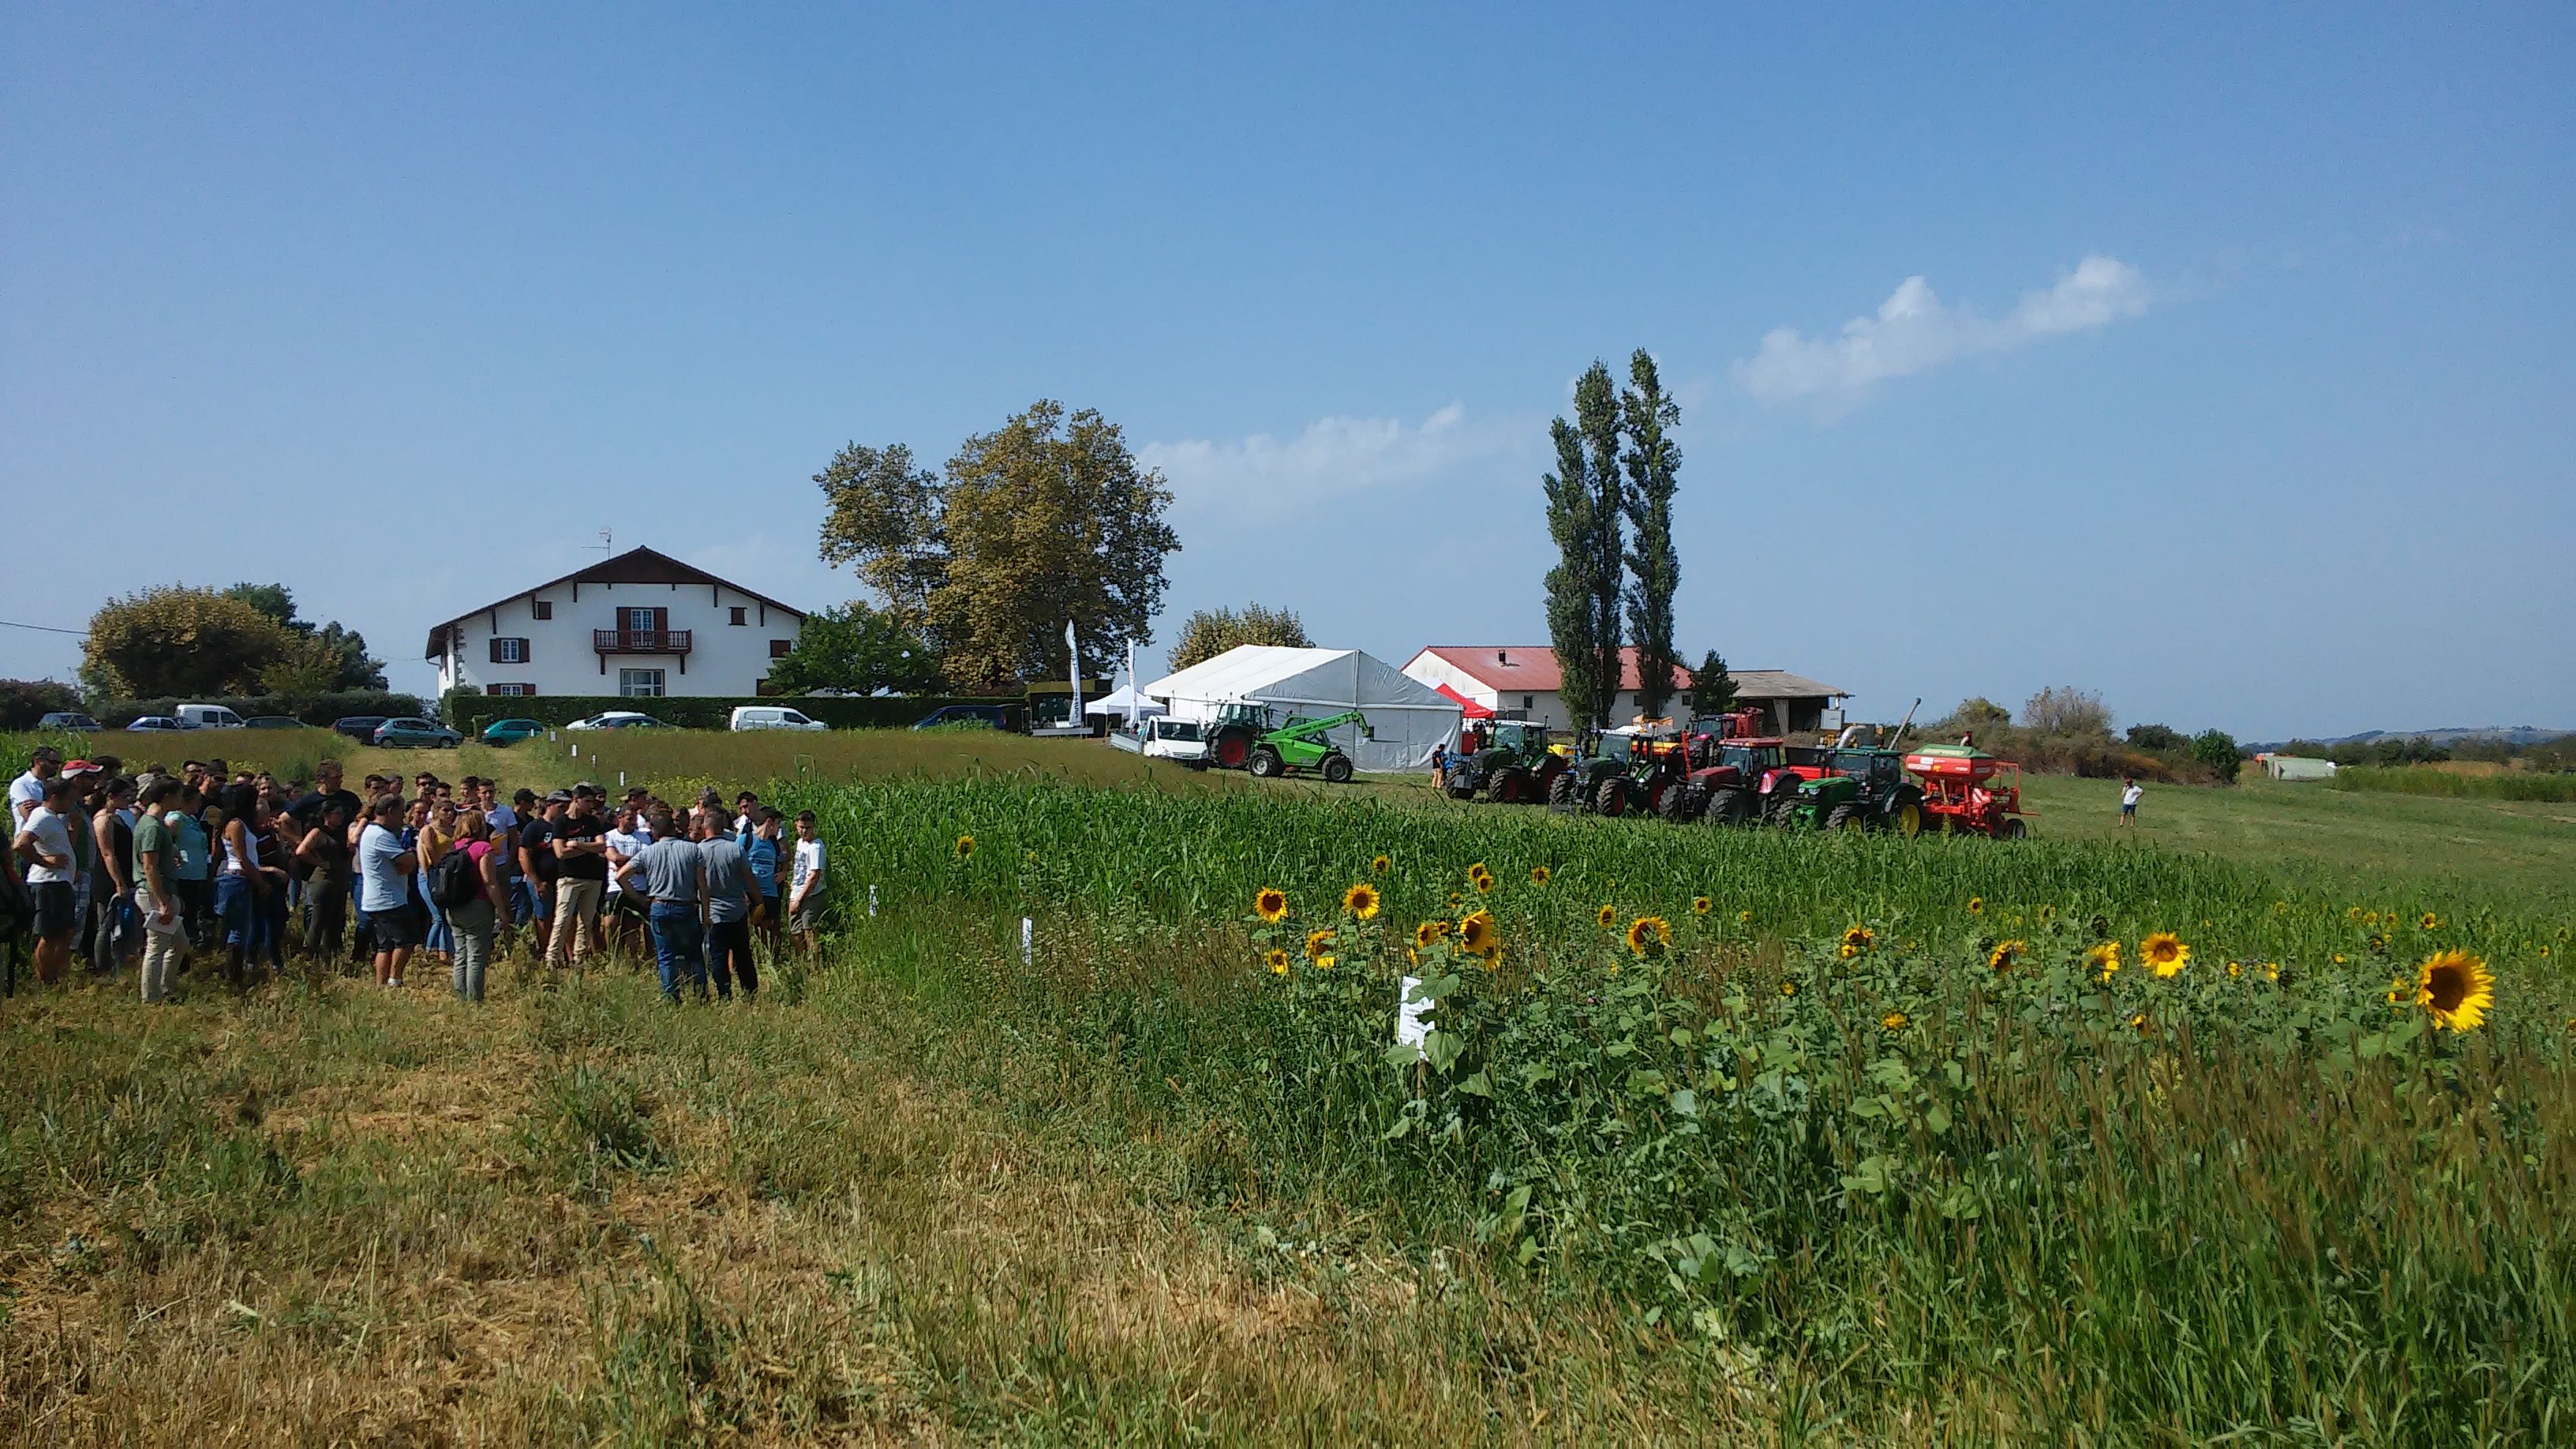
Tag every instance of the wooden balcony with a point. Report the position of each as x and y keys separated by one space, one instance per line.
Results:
x=640 y=641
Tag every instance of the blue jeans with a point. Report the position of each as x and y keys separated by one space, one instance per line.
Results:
x=678 y=945
x=438 y=942
x=729 y=955
x=523 y=901
x=238 y=912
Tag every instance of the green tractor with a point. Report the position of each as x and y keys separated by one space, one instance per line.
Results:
x=1512 y=765
x=1238 y=726
x=1305 y=744
x=1860 y=789
x=1627 y=771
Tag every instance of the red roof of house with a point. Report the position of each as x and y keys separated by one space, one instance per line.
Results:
x=1530 y=668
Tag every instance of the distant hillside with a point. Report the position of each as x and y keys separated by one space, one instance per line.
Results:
x=2509 y=734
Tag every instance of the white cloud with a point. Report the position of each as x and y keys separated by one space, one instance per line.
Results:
x=1332 y=457
x=1915 y=331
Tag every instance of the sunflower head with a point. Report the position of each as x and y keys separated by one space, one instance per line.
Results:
x=965 y=847
x=2456 y=988
x=1360 y=901
x=2235 y=968
x=1648 y=933
x=1277 y=961
x=2141 y=1025
x=1976 y=905
x=1788 y=988
x=2104 y=957
x=2271 y=970
x=2002 y=957
x=1606 y=917
x=2164 y=953
x=1893 y=1021
x=1456 y=900
x=2352 y=913
x=1323 y=963
x=1481 y=881
x=1744 y=918
x=1476 y=934
x=2047 y=913
x=1857 y=939
x=2428 y=922
x=1538 y=875
x=1702 y=905
x=1428 y=932
x=1380 y=865
x=1270 y=903
x=1318 y=944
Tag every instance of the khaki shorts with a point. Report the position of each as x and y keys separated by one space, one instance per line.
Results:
x=808 y=915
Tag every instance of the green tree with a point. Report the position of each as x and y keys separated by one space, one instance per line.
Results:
x=2066 y=710
x=1712 y=689
x=1207 y=633
x=1596 y=416
x=1978 y=713
x=339 y=663
x=2216 y=749
x=174 y=640
x=1653 y=465
x=1570 y=593
x=857 y=650
x=2156 y=737
x=1046 y=519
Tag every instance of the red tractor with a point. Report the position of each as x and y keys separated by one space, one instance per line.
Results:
x=1750 y=779
x=1967 y=791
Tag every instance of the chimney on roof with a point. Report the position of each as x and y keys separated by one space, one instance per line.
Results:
x=1502 y=658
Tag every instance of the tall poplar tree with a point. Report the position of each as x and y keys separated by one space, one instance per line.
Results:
x=1570 y=618
x=1596 y=415
x=1652 y=464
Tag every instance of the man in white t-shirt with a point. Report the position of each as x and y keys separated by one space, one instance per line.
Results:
x=43 y=841
x=2131 y=792
x=44 y=764
x=624 y=912
x=805 y=882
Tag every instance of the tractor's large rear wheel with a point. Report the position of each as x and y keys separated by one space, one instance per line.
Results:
x=1674 y=803
x=1265 y=764
x=1780 y=808
x=1231 y=750
x=1562 y=793
x=1906 y=819
x=1337 y=769
x=1845 y=817
x=1509 y=786
x=1727 y=807
x=1611 y=798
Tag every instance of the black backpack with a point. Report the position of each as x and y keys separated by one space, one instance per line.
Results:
x=456 y=880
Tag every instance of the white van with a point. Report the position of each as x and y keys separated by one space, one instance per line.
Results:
x=208 y=717
x=772 y=717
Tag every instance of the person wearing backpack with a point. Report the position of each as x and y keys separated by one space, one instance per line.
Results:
x=466 y=884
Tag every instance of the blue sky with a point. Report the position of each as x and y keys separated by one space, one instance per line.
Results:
x=2235 y=384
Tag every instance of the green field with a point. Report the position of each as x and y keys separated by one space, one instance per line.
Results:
x=1773 y=1181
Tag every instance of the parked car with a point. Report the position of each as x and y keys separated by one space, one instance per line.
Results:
x=511 y=731
x=359 y=727
x=772 y=717
x=272 y=722
x=156 y=722
x=208 y=717
x=67 y=720
x=1163 y=738
x=617 y=719
x=395 y=734
x=966 y=716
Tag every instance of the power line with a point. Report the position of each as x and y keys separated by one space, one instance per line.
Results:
x=42 y=628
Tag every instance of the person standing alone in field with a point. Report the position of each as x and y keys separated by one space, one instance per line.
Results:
x=2131 y=792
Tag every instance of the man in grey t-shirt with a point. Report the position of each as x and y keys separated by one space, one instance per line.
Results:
x=729 y=897
x=671 y=873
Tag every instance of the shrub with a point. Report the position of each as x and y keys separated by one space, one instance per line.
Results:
x=2215 y=751
x=25 y=701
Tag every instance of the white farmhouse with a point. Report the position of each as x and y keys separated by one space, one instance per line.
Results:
x=641 y=625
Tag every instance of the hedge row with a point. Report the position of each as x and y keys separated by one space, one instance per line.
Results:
x=469 y=713
x=313 y=709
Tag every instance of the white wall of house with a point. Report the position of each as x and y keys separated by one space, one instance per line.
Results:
x=1545 y=706
x=557 y=655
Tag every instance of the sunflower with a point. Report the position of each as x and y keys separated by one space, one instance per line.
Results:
x=965 y=847
x=1648 y=933
x=2352 y=913
x=1482 y=883
x=2338 y=958
x=1788 y=988
x=2428 y=922
x=2457 y=988
x=1380 y=864
x=1456 y=900
x=1318 y=944
x=1277 y=961
x=1270 y=903
x=1428 y=932
x=2104 y=957
x=2235 y=968
x=1607 y=917
x=1702 y=905
x=1893 y=1021
x=2047 y=914
x=2400 y=989
x=1476 y=868
x=1360 y=900
x=1976 y=905
x=2378 y=943
x=2370 y=918
x=1858 y=939
x=1476 y=934
x=1323 y=963
x=2003 y=956
x=2271 y=970
x=1848 y=952
x=2164 y=953
x=2141 y=1025
x=1744 y=918
x=1538 y=875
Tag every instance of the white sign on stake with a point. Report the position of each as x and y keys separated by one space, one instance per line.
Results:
x=621 y=779
x=1412 y=1018
x=1028 y=941
x=872 y=902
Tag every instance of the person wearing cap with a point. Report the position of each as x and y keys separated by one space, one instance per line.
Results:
x=44 y=765
x=581 y=860
x=44 y=842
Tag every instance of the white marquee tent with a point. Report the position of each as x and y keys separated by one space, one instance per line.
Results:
x=1407 y=718
x=1120 y=703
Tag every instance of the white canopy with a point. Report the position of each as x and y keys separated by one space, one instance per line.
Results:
x=1119 y=702
x=1407 y=718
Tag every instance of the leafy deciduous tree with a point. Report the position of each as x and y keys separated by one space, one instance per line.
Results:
x=884 y=515
x=858 y=650
x=1596 y=416
x=2066 y=710
x=174 y=640
x=339 y=663
x=1207 y=633
x=1571 y=620
x=2216 y=749
x=1653 y=466
x=1712 y=688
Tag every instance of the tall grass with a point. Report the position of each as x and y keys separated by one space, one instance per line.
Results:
x=2421 y=780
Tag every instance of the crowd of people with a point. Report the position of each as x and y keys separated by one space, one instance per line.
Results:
x=157 y=870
